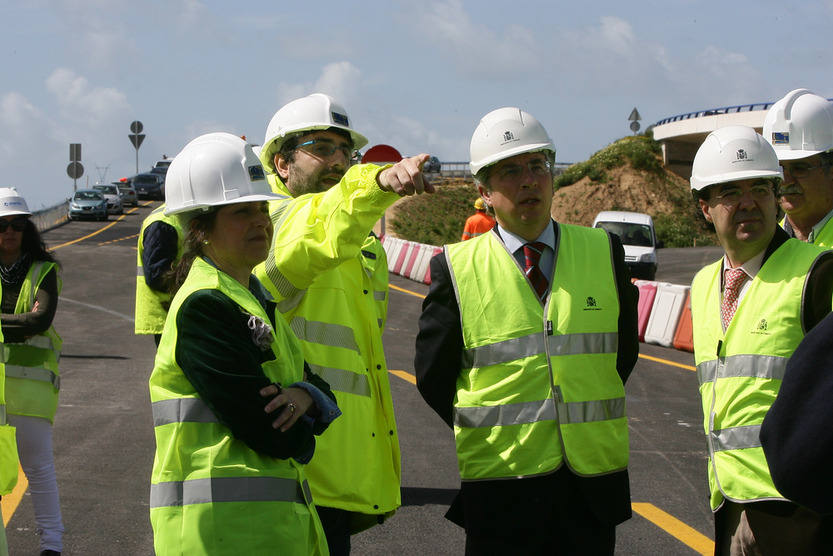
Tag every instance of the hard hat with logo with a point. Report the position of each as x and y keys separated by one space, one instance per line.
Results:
x=309 y=113
x=480 y=204
x=213 y=170
x=11 y=203
x=504 y=133
x=733 y=153
x=799 y=125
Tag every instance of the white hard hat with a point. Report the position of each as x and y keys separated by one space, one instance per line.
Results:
x=504 y=133
x=799 y=125
x=11 y=203
x=733 y=153
x=212 y=170
x=309 y=113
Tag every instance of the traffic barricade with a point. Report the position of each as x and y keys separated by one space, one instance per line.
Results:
x=665 y=314
x=402 y=256
x=411 y=260
x=647 y=292
x=392 y=250
x=418 y=271
x=434 y=252
x=684 y=337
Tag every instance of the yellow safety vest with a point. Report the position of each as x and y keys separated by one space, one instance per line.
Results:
x=825 y=236
x=8 y=444
x=330 y=280
x=210 y=492
x=740 y=372
x=32 y=376
x=152 y=305
x=539 y=385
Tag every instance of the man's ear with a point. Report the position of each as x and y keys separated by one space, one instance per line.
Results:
x=705 y=208
x=281 y=167
x=485 y=194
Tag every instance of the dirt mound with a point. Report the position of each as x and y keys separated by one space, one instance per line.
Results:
x=623 y=188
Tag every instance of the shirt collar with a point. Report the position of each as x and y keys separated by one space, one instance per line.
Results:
x=513 y=242
x=750 y=267
x=819 y=225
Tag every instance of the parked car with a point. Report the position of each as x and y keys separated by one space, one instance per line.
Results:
x=149 y=186
x=127 y=193
x=161 y=166
x=112 y=196
x=87 y=203
x=636 y=230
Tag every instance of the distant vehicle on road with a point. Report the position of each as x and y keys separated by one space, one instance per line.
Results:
x=432 y=165
x=149 y=186
x=112 y=196
x=161 y=166
x=636 y=230
x=87 y=203
x=127 y=193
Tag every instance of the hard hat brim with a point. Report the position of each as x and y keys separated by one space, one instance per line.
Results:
x=788 y=154
x=244 y=199
x=509 y=153
x=699 y=185
x=15 y=213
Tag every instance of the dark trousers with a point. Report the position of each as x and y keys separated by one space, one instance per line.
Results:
x=539 y=515
x=336 y=524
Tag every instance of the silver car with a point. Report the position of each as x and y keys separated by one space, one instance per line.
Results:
x=111 y=194
x=127 y=193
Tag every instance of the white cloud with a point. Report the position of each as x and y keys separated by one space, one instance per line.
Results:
x=340 y=80
x=99 y=30
x=81 y=102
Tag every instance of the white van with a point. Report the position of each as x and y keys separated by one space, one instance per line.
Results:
x=636 y=230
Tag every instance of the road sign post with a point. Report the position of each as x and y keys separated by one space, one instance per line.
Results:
x=75 y=170
x=136 y=138
x=634 y=119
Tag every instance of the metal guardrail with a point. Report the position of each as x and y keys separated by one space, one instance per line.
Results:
x=52 y=217
x=718 y=111
x=462 y=169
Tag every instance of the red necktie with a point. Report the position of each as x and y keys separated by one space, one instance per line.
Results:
x=532 y=254
x=733 y=279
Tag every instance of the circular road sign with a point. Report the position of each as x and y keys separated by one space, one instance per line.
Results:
x=75 y=170
x=136 y=127
x=634 y=126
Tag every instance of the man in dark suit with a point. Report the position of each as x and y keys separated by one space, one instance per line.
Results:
x=526 y=339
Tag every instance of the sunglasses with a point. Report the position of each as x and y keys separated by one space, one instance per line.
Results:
x=18 y=224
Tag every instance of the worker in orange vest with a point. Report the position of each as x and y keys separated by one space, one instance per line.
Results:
x=478 y=223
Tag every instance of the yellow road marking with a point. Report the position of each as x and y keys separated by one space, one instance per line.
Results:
x=409 y=292
x=95 y=233
x=11 y=501
x=134 y=236
x=667 y=362
x=404 y=375
x=676 y=528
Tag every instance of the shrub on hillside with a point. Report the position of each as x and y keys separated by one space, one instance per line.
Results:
x=641 y=151
x=683 y=230
x=435 y=219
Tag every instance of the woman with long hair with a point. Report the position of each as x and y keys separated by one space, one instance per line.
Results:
x=29 y=275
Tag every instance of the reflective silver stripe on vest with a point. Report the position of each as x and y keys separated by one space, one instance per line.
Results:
x=743 y=366
x=182 y=410
x=34 y=373
x=39 y=341
x=140 y=271
x=378 y=296
x=342 y=380
x=736 y=438
x=544 y=410
x=2 y=414
x=533 y=344
x=226 y=489
x=324 y=333
x=290 y=303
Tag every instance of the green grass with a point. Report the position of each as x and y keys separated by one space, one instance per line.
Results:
x=640 y=150
x=436 y=219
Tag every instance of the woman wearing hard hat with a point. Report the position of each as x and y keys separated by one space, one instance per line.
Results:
x=29 y=275
x=234 y=406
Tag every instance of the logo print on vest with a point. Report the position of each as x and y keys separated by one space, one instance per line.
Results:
x=590 y=304
x=761 y=328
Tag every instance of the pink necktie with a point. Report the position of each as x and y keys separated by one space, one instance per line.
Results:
x=532 y=254
x=733 y=279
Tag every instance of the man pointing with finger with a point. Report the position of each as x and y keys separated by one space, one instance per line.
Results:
x=329 y=275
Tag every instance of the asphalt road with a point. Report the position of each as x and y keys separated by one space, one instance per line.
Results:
x=104 y=437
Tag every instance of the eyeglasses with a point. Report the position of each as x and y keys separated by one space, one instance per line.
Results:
x=324 y=148
x=731 y=195
x=514 y=172
x=18 y=224
x=800 y=170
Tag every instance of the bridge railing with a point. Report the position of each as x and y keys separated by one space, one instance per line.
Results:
x=52 y=217
x=718 y=111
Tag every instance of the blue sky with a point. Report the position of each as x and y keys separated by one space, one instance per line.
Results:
x=416 y=75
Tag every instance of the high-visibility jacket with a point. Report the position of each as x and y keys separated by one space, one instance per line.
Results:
x=477 y=224
x=539 y=385
x=8 y=444
x=825 y=236
x=152 y=305
x=331 y=280
x=740 y=372
x=210 y=492
x=32 y=377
